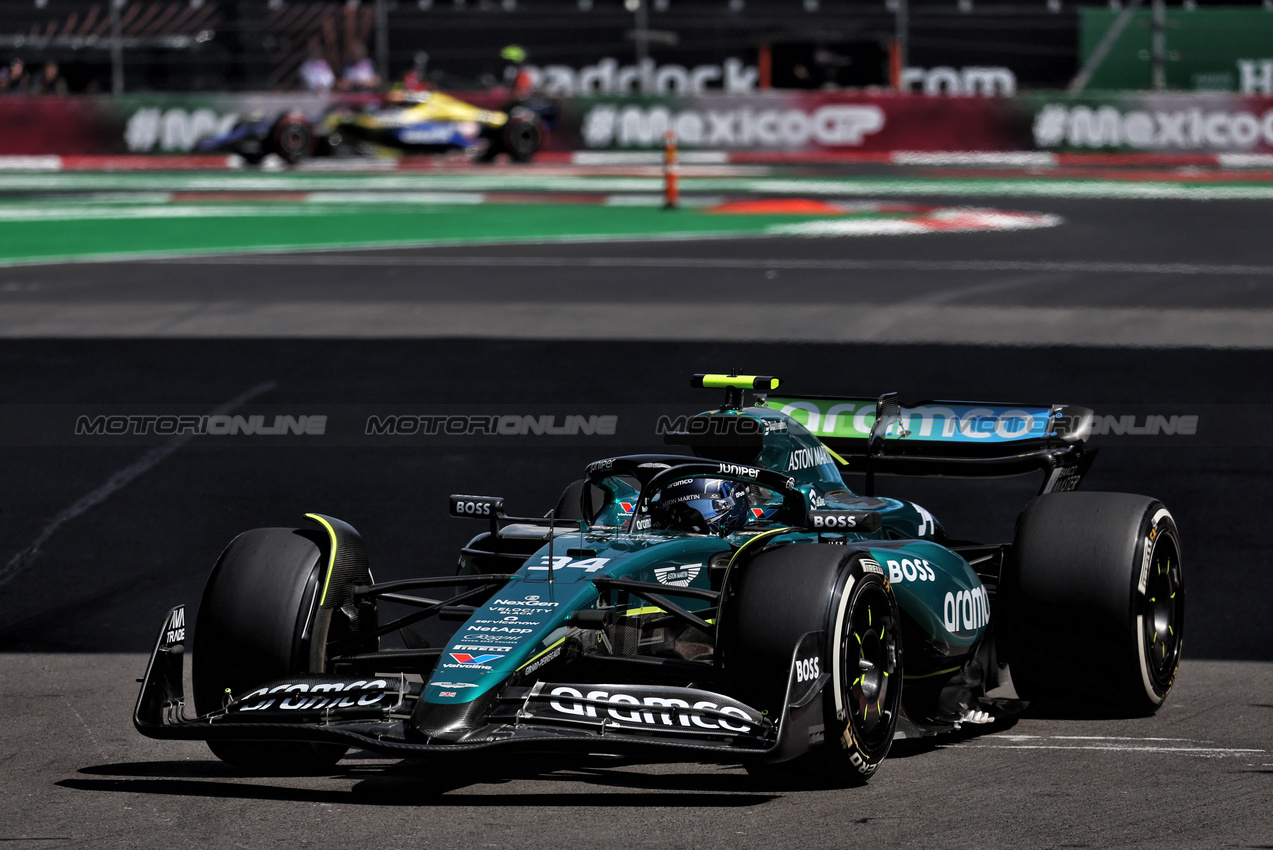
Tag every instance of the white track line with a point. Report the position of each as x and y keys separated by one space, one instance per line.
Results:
x=1122 y=738
x=118 y=481
x=1003 y=159
x=1015 y=738
x=1205 y=752
x=1079 y=267
x=1107 y=743
x=504 y=182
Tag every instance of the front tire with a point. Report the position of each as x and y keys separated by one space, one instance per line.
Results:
x=252 y=628
x=1095 y=604
x=787 y=592
x=866 y=675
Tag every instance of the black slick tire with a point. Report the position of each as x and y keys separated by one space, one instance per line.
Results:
x=256 y=614
x=789 y=591
x=1094 y=604
x=521 y=136
x=292 y=138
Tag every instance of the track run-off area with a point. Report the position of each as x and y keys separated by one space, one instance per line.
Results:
x=1141 y=295
x=93 y=215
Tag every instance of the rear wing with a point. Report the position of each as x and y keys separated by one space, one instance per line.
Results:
x=954 y=438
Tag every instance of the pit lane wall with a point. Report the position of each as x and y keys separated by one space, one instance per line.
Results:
x=812 y=123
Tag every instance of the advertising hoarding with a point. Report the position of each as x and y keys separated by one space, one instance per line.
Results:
x=789 y=122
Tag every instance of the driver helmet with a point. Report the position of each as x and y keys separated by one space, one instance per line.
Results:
x=704 y=505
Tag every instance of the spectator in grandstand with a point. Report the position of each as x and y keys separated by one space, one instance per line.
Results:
x=49 y=81
x=316 y=74
x=13 y=79
x=359 y=74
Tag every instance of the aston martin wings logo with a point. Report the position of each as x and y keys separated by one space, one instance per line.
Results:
x=677 y=576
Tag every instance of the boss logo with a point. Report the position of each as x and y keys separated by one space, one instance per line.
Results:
x=476 y=506
x=831 y=520
x=860 y=521
x=916 y=569
x=807 y=669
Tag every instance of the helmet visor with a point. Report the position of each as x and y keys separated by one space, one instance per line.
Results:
x=709 y=509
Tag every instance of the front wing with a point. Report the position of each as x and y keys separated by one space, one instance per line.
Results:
x=375 y=714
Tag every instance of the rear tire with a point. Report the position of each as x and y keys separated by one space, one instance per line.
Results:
x=521 y=137
x=292 y=138
x=787 y=592
x=1094 y=605
x=251 y=629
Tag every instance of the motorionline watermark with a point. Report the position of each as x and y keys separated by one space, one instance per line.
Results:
x=349 y=424
x=1150 y=425
x=638 y=427
x=494 y=424
x=459 y=425
x=217 y=425
x=856 y=420
x=1131 y=424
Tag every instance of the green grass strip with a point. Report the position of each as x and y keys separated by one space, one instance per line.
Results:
x=280 y=227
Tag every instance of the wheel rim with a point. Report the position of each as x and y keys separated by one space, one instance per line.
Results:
x=524 y=139
x=1162 y=613
x=871 y=667
x=294 y=140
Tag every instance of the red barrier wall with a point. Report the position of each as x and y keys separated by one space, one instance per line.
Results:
x=810 y=123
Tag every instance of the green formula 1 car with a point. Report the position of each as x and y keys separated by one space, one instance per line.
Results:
x=738 y=604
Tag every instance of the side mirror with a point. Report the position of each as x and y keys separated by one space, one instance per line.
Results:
x=888 y=410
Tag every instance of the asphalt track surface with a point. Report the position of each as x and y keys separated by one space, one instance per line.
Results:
x=1161 y=273
x=101 y=539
